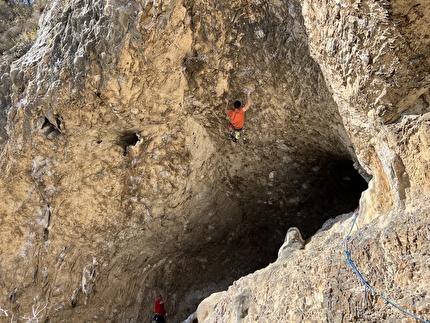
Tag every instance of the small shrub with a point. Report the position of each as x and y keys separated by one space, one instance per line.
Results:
x=18 y=26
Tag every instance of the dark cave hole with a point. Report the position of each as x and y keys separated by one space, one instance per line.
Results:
x=128 y=139
x=335 y=189
x=51 y=129
x=326 y=189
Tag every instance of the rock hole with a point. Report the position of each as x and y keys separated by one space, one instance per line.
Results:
x=12 y=295
x=51 y=130
x=48 y=221
x=45 y=234
x=128 y=139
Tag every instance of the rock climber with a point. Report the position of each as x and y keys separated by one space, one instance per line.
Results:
x=160 y=311
x=237 y=117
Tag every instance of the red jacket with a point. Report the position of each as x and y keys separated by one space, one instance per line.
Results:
x=159 y=307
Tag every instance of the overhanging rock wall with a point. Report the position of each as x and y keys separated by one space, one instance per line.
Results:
x=118 y=180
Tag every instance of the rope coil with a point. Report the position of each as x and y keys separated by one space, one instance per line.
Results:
x=364 y=282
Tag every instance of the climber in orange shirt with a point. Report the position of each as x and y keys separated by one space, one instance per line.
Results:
x=237 y=117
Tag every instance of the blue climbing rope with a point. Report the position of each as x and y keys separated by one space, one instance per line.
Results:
x=365 y=283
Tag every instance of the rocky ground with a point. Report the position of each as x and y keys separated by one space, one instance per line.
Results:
x=319 y=285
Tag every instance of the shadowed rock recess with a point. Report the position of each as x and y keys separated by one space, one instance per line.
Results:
x=118 y=180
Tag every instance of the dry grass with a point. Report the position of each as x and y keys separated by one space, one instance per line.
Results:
x=18 y=27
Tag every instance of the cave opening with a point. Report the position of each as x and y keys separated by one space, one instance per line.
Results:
x=324 y=189
x=333 y=187
x=304 y=198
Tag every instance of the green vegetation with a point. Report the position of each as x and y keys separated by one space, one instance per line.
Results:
x=18 y=26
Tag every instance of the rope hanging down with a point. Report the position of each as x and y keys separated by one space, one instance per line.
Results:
x=365 y=283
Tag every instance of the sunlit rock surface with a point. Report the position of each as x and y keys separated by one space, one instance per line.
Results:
x=317 y=284
x=118 y=179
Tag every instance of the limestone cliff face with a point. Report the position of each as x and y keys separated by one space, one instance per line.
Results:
x=374 y=56
x=118 y=179
x=318 y=285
